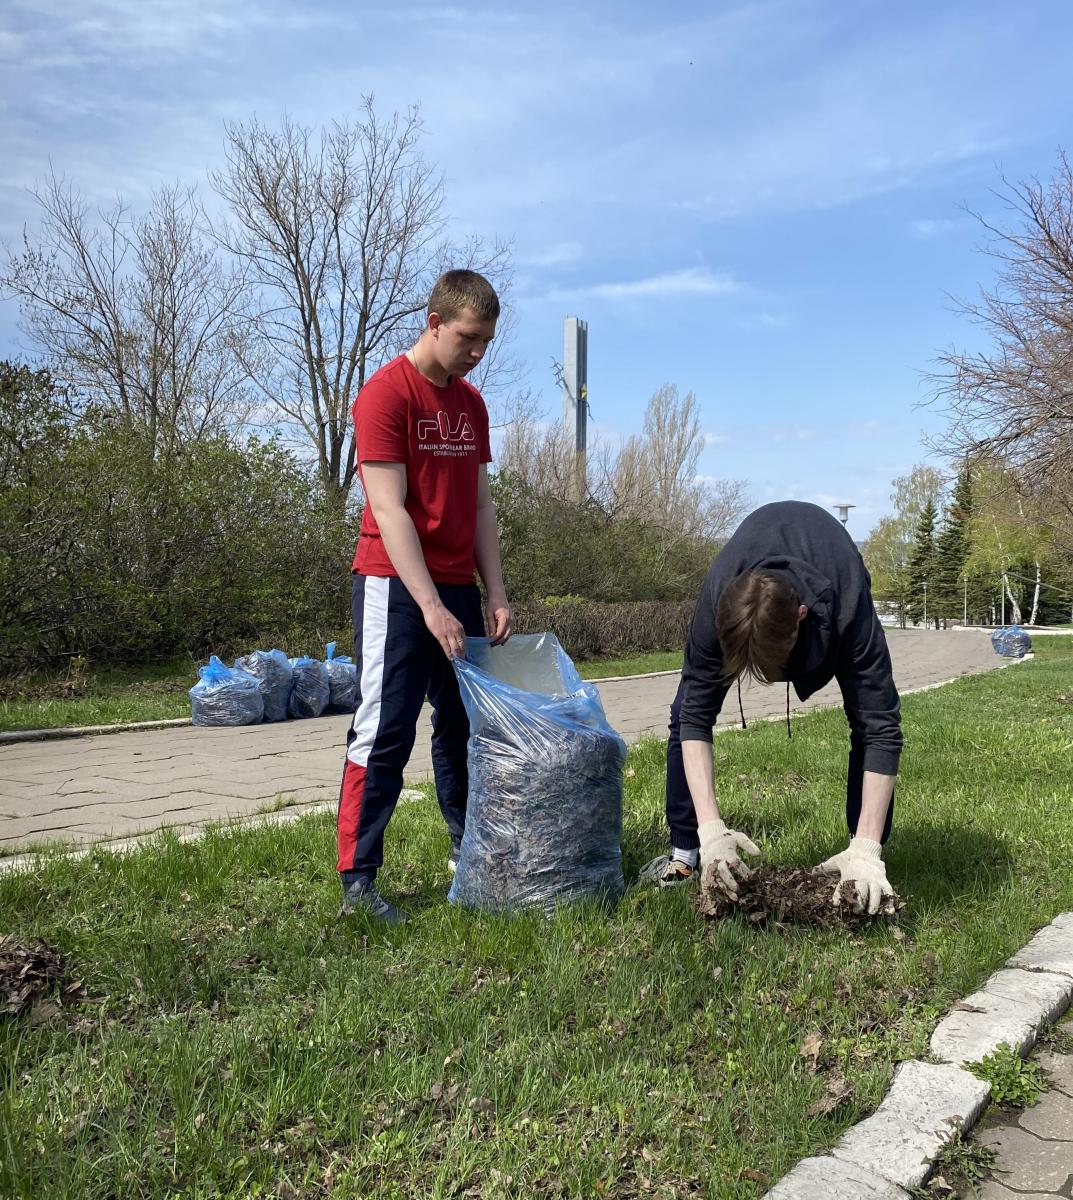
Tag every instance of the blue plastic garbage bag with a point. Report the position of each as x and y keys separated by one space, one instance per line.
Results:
x=1011 y=641
x=544 y=817
x=309 y=688
x=342 y=680
x=273 y=669
x=224 y=696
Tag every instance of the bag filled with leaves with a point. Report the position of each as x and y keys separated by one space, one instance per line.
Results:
x=342 y=680
x=309 y=688
x=544 y=817
x=273 y=669
x=225 y=696
x=1011 y=641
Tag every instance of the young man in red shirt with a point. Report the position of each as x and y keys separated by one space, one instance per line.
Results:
x=423 y=454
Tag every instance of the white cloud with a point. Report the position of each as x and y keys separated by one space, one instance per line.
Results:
x=715 y=439
x=691 y=281
x=554 y=256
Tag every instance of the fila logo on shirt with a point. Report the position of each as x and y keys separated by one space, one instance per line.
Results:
x=443 y=429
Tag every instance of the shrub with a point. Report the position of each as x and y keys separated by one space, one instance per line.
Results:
x=590 y=629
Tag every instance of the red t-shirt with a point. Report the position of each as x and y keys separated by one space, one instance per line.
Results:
x=441 y=434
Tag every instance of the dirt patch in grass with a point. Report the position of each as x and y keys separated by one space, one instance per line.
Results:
x=35 y=979
x=785 y=896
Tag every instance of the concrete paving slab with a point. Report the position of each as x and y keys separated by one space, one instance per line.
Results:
x=1060 y=1069
x=1051 y=1118
x=1029 y=1163
x=998 y=1191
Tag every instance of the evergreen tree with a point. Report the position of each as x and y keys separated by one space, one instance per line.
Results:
x=920 y=570
x=946 y=590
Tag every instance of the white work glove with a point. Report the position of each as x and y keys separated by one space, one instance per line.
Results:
x=719 y=847
x=861 y=866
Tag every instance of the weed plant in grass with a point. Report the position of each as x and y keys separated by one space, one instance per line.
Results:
x=239 y=1040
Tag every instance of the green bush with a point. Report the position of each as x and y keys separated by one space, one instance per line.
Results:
x=118 y=549
x=554 y=549
x=593 y=630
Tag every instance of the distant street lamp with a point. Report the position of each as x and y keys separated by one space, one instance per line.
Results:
x=925 y=604
x=843 y=511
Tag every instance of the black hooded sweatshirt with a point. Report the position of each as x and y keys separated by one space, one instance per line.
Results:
x=841 y=638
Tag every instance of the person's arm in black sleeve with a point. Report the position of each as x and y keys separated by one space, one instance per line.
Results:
x=872 y=707
x=870 y=698
x=703 y=689
x=703 y=692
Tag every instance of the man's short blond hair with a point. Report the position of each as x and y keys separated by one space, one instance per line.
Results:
x=458 y=290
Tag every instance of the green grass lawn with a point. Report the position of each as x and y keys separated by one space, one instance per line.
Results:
x=241 y=1041
x=120 y=696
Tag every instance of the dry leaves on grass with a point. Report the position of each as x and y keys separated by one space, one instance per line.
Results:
x=34 y=979
x=839 y=1090
x=785 y=896
x=810 y=1049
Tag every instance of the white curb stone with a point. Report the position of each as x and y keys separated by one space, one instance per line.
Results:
x=966 y=1036
x=833 y=1180
x=1051 y=993
x=1050 y=950
x=926 y=1105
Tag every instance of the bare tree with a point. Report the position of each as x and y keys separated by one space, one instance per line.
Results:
x=138 y=316
x=1015 y=401
x=654 y=476
x=650 y=477
x=342 y=230
x=540 y=455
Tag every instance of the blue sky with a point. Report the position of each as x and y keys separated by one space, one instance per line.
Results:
x=759 y=202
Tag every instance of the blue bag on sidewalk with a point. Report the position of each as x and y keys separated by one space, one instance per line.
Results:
x=1011 y=641
x=342 y=680
x=309 y=688
x=224 y=696
x=544 y=817
x=273 y=669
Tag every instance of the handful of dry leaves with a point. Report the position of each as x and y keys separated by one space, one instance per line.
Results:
x=786 y=895
x=31 y=975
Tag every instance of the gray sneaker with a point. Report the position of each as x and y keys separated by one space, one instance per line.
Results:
x=666 y=871
x=363 y=897
x=453 y=857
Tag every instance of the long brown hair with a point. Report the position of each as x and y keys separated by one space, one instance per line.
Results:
x=756 y=621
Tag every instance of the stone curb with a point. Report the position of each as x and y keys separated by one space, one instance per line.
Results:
x=891 y=1152
x=28 y=859
x=11 y=736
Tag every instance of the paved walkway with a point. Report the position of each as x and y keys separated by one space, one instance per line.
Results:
x=1034 y=1146
x=119 y=786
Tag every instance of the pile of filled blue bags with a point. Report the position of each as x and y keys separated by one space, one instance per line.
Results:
x=1011 y=641
x=268 y=686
